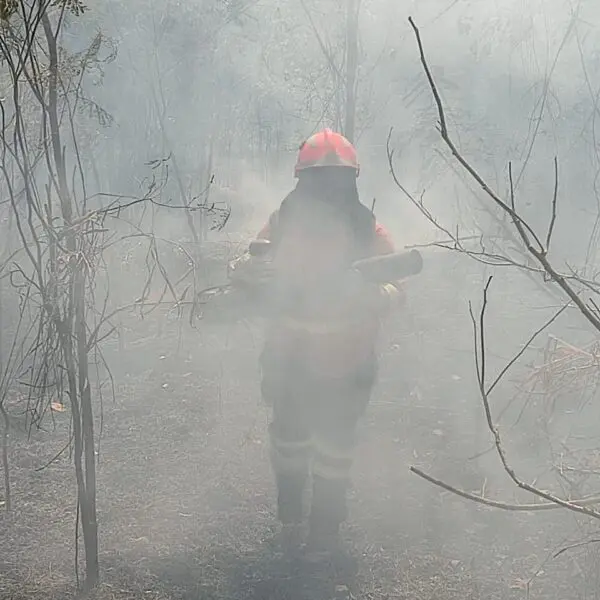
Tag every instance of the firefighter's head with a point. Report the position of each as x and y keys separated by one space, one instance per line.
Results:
x=327 y=151
x=326 y=201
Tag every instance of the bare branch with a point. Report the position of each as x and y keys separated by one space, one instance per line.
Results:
x=445 y=136
x=527 y=344
x=554 y=202
x=526 y=233
x=479 y=335
x=496 y=503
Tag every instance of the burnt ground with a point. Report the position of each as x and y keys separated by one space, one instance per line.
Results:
x=185 y=494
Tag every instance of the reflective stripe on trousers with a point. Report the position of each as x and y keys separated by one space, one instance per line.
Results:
x=313 y=430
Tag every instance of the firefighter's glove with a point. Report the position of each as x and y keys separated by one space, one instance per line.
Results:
x=377 y=298
x=250 y=271
x=393 y=295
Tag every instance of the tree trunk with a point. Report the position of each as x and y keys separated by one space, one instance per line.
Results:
x=72 y=328
x=88 y=508
x=352 y=10
x=6 y=421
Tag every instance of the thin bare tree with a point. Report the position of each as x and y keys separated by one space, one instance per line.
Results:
x=61 y=244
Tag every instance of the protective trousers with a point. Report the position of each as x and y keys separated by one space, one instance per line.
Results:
x=312 y=432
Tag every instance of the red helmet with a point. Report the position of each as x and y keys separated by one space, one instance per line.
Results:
x=326 y=149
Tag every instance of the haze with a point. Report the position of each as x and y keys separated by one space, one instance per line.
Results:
x=204 y=103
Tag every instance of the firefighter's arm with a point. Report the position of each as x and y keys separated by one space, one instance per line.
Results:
x=393 y=291
x=266 y=233
x=253 y=270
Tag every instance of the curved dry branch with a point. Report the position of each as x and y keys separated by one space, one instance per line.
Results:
x=480 y=360
x=578 y=506
x=497 y=503
x=526 y=233
x=539 y=252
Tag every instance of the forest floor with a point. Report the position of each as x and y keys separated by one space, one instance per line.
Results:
x=186 y=497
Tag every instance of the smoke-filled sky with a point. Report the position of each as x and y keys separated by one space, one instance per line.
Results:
x=247 y=78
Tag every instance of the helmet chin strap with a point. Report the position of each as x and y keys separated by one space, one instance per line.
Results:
x=297 y=172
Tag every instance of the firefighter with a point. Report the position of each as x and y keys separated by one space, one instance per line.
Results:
x=319 y=361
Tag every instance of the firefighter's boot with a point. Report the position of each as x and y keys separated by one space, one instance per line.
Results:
x=290 y=489
x=328 y=512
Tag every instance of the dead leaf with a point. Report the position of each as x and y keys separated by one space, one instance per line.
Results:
x=519 y=584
